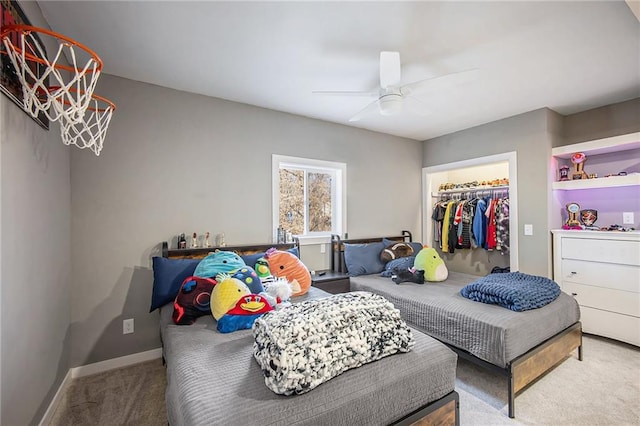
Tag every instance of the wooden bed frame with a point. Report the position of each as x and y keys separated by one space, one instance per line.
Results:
x=523 y=370
x=444 y=411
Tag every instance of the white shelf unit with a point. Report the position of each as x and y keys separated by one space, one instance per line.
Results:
x=615 y=144
x=604 y=156
x=603 y=182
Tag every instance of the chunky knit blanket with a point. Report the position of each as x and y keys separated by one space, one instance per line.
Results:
x=513 y=290
x=306 y=344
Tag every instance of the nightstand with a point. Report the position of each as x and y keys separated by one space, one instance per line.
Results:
x=332 y=282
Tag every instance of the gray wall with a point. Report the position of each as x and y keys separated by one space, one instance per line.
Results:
x=178 y=162
x=36 y=265
x=607 y=121
x=527 y=134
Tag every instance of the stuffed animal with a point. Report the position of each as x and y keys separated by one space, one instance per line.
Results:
x=396 y=251
x=431 y=263
x=234 y=307
x=408 y=275
x=278 y=292
x=250 y=278
x=193 y=300
x=287 y=265
x=218 y=262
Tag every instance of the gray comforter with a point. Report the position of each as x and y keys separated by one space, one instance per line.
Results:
x=213 y=379
x=490 y=332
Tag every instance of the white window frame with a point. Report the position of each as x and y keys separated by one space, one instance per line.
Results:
x=338 y=194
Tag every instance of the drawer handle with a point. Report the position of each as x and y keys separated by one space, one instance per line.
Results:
x=572 y=274
x=574 y=294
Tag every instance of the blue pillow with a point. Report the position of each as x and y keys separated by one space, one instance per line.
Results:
x=168 y=275
x=416 y=246
x=362 y=259
x=400 y=263
x=251 y=259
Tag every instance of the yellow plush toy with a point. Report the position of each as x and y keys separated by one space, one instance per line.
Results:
x=431 y=263
x=234 y=306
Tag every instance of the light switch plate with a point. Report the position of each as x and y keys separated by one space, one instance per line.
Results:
x=627 y=218
x=528 y=229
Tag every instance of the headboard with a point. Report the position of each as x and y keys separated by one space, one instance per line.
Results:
x=202 y=252
x=337 y=247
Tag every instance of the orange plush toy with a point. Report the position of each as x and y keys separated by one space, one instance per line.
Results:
x=287 y=265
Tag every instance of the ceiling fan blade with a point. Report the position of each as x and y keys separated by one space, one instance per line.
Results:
x=389 y=69
x=344 y=93
x=441 y=82
x=372 y=108
x=415 y=106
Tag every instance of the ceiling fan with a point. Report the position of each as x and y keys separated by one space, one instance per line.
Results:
x=395 y=98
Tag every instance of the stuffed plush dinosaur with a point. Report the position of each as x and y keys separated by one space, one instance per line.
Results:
x=431 y=263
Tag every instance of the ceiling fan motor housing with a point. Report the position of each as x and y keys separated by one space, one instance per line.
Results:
x=391 y=104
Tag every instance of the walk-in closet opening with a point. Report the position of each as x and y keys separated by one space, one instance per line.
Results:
x=487 y=182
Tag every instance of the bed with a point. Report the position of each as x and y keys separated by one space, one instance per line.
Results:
x=519 y=345
x=213 y=378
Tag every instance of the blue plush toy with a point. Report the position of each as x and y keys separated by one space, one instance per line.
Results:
x=218 y=262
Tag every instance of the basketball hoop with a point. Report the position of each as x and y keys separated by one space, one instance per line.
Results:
x=91 y=130
x=34 y=70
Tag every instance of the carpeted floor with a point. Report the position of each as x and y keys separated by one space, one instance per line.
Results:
x=604 y=389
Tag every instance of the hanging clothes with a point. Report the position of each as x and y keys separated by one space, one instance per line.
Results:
x=502 y=226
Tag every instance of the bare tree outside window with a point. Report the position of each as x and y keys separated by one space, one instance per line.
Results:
x=309 y=197
x=319 y=195
x=292 y=206
x=305 y=195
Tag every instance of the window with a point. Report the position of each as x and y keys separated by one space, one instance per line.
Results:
x=309 y=196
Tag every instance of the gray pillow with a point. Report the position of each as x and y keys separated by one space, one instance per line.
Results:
x=363 y=259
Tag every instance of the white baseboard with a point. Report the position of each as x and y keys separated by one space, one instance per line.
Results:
x=51 y=409
x=110 y=364
x=97 y=367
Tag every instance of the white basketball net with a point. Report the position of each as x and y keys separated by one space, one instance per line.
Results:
x=91 y=130
x=63 y=93
x=37 y=77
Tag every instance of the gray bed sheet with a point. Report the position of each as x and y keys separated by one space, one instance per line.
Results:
x=490 y=332
x=213 y=379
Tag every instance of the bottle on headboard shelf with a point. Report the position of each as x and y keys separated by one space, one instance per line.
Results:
x=182 y=241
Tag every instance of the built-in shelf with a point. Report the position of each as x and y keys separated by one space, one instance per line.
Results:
x=600 y=146
x=603 y=182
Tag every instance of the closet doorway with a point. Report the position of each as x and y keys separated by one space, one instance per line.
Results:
x=475 y=261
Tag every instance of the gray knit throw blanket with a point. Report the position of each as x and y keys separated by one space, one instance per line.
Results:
x=306 y=344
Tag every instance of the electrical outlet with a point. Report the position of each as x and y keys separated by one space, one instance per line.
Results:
x=127 y=326
x=528 y=229
x=627 y=218
x=323 y=248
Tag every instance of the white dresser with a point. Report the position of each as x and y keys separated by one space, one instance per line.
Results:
x=602 y=271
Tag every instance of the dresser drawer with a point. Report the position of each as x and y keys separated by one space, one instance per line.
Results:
x=614 y=326
x=597 y=250
x=622 y=302
x=609 y=275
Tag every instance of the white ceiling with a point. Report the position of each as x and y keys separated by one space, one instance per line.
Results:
x=565 y=55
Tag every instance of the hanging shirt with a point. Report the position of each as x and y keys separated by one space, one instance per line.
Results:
x=480 y=223
x=502 y=226
x=491 y=225
x=445 y=226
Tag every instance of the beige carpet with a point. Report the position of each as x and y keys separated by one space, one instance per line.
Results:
x=604 y=389
x=132 y=395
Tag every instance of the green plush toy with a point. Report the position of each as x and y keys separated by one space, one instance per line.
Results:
x=431 y=263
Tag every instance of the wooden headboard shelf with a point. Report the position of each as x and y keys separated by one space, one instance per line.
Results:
x=337 y=247
x=202 y=252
